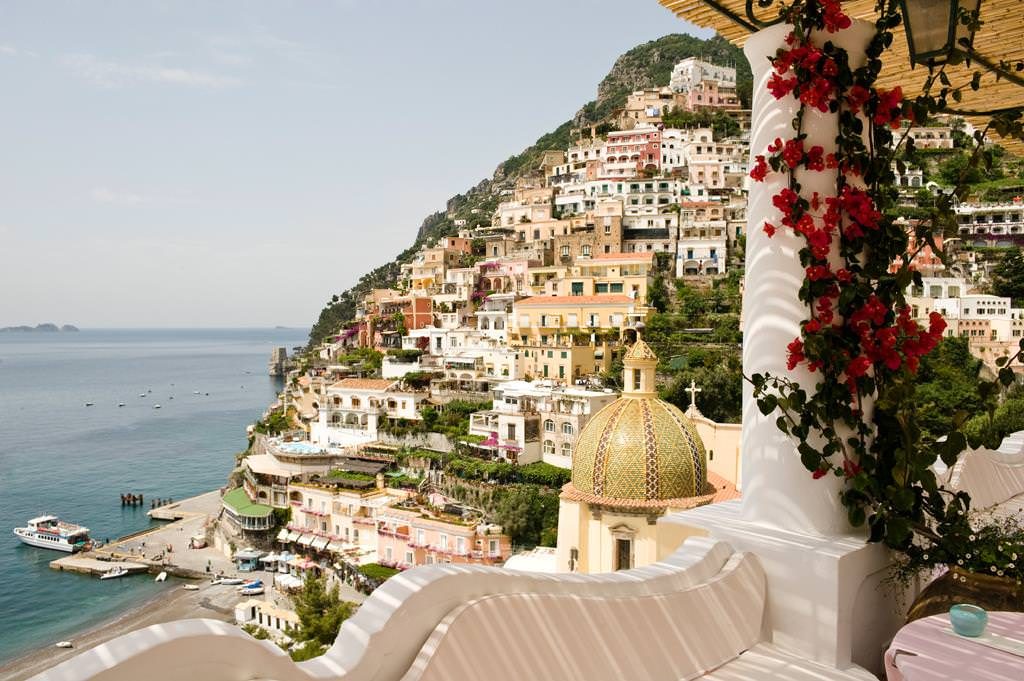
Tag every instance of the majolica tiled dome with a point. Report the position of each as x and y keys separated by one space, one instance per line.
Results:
x=639 y=448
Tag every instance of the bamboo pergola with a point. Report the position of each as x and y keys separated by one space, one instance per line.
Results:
x=1000 y=39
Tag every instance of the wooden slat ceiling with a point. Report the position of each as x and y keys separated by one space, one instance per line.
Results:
x=1001 y=38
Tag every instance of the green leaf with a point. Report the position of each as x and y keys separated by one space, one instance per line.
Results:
x=810 y=458
x=782 y=424
x=767 y=404
x=856 y=516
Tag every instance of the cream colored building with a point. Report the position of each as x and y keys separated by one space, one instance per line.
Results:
x=353 y=408
x=635 y=460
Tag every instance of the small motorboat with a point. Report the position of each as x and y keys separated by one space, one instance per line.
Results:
x=171 y=397
x=120 y=404
x=89 y=404
x=142 y=394
x=254 y=584
x=64 y=644
x=230 y=581
x=190 y=587
x=195 y=392
x=251 y=591
x=161 y=577
x=156 y=406
x=114 y=573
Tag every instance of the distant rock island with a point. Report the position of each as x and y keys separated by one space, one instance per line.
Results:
x=39 y=328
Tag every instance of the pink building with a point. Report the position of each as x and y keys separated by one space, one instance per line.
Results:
x=411 y=534
x=628 y=153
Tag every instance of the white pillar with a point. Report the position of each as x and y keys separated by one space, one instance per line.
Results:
x=777 y=490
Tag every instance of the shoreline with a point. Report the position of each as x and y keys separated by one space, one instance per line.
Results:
x=173 y=604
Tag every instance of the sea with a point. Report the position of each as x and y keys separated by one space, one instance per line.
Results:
x=59 y=456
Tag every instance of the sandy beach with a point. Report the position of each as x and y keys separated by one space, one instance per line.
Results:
x=210 y=601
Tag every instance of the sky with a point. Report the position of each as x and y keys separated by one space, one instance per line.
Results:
x=177 y=163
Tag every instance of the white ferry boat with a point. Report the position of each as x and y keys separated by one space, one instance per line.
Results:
x=48 y=532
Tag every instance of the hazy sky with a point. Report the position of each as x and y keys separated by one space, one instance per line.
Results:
x=175 y=163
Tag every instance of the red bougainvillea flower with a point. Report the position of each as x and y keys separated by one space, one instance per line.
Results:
x=769 y=229
x=818 y=272
x=856 y=97
x=833 y=16
x=858 y=366
x=796 y=353
x=850 y=468
x=779 y=86
x=760 y=169
x=819 y=473
x=812 y=326
x=889 y=110
x=793 y=152
x=816 y=158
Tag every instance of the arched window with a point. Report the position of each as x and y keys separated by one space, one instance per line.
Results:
x=549 y=426
x=549 y=447
x=355 y=402
x=566 y=449
x=566 y=428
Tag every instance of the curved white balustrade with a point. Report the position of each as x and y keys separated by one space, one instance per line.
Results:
x=993 y=477
x=384 y=638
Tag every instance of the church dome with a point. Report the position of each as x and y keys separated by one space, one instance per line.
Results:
x=639 y=448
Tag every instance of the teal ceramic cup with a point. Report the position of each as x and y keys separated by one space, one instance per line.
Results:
x=968 y=620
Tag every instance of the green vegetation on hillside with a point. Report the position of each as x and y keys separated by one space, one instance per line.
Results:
x=321 y=612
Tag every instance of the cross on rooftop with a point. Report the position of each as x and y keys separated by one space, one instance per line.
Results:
x=693 y=390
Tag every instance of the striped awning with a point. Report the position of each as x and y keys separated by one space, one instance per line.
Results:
x=293 y=535
x=320 y=543
x=282 y=535
x=335 y=547
x=306 y=539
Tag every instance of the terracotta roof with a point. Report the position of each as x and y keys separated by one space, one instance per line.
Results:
x=646 y=256
x=614 y=299
x=365 y=383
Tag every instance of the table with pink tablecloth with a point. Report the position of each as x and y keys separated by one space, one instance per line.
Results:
x=926 y=650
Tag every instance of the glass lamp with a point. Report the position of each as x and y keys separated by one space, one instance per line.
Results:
x=934 y=29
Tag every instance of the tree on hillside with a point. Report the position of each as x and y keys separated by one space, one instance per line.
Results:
x=947 y=383
x=525 y=512
x=321 y=612
x=1008 y=276
x=657 y=296
x=721 y=391
x=958 y=169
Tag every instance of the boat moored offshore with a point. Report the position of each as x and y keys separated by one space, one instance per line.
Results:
x=48 y=532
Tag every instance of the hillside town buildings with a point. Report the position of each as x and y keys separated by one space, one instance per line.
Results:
x=522 y=313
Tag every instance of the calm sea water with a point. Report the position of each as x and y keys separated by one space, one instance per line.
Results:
x=58 y=456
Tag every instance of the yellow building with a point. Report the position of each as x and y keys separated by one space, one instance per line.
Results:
x=542 y=317
x=608 y=273
x=565 y=337
x=635 y=460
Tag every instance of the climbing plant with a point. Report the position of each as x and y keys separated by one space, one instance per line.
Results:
x=860 y=342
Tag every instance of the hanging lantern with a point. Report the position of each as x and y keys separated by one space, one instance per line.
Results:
x=935 y=28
